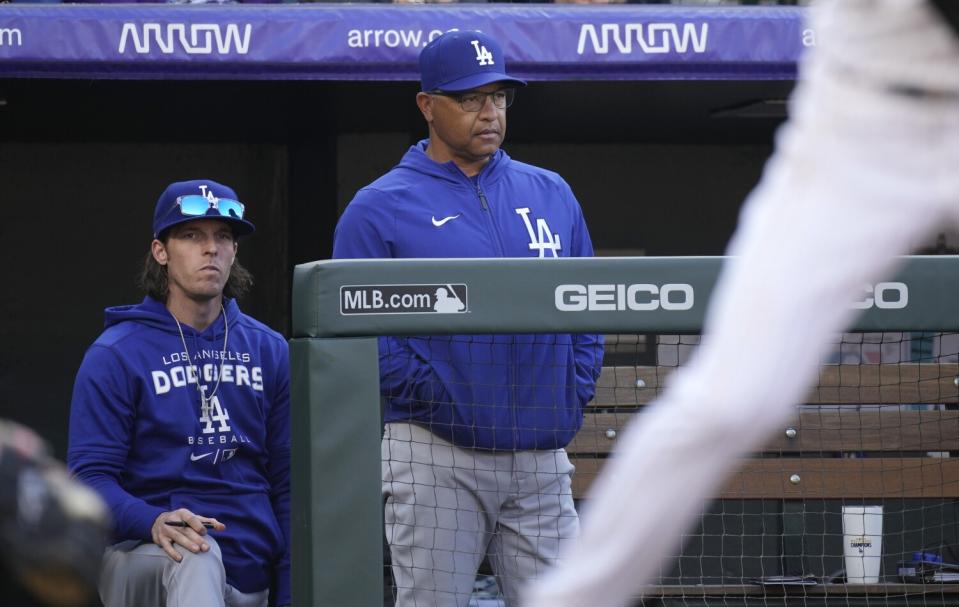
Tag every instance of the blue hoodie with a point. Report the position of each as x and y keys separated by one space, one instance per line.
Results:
x=509 y=392
x=138 y=436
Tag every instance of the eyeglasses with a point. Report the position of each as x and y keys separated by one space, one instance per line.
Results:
x=195 y=205
x=474 y=101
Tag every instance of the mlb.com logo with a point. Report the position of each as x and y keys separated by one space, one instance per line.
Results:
x=445 y=298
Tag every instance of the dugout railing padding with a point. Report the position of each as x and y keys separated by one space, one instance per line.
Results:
x=337 y=504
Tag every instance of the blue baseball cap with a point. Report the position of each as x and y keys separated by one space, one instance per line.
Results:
x=199 y=199
x=462 y=61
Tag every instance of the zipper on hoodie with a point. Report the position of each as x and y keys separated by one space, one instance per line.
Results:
x=513 y=374
x=482 y=198
x=497 y=242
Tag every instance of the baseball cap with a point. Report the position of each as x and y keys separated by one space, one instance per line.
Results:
x=181 y=202
x=461 y=61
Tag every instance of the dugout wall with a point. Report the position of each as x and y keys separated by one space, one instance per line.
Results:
x=337 y=502
x=86 y=174
x=660 y=151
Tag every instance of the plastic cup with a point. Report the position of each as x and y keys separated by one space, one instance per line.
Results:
x=862 y=543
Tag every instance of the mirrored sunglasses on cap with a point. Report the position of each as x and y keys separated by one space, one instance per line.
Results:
x=196 y=205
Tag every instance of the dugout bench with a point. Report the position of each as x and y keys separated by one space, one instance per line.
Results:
x=799 y=463
x=337 y=507
x=891 y=417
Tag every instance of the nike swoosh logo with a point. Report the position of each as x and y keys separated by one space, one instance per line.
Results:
x=194 y=457
x=439 y=222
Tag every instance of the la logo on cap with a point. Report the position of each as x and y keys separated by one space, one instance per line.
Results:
x=207 y=193
x=483 y=56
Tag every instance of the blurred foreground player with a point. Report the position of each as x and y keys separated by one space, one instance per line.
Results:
x=865 y=167
x=52 y=529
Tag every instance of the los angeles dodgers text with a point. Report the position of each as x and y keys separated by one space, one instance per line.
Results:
x=179 y=357
x=181 y=376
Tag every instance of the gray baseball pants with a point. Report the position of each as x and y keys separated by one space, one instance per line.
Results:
x=447 y=508
x=141 y=574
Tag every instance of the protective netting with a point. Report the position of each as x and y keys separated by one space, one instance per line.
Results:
x=855 y=500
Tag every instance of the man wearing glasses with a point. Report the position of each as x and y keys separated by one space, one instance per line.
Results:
x=473 y=458
x=180 y=420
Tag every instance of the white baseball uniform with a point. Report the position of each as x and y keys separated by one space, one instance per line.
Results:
x=866 y=166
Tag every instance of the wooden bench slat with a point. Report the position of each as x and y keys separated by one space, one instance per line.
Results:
x=817 y=431
x=852 y=384
x=834 y=478
x=617 y=385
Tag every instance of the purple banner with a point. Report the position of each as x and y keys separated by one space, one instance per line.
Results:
x=382 y=42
